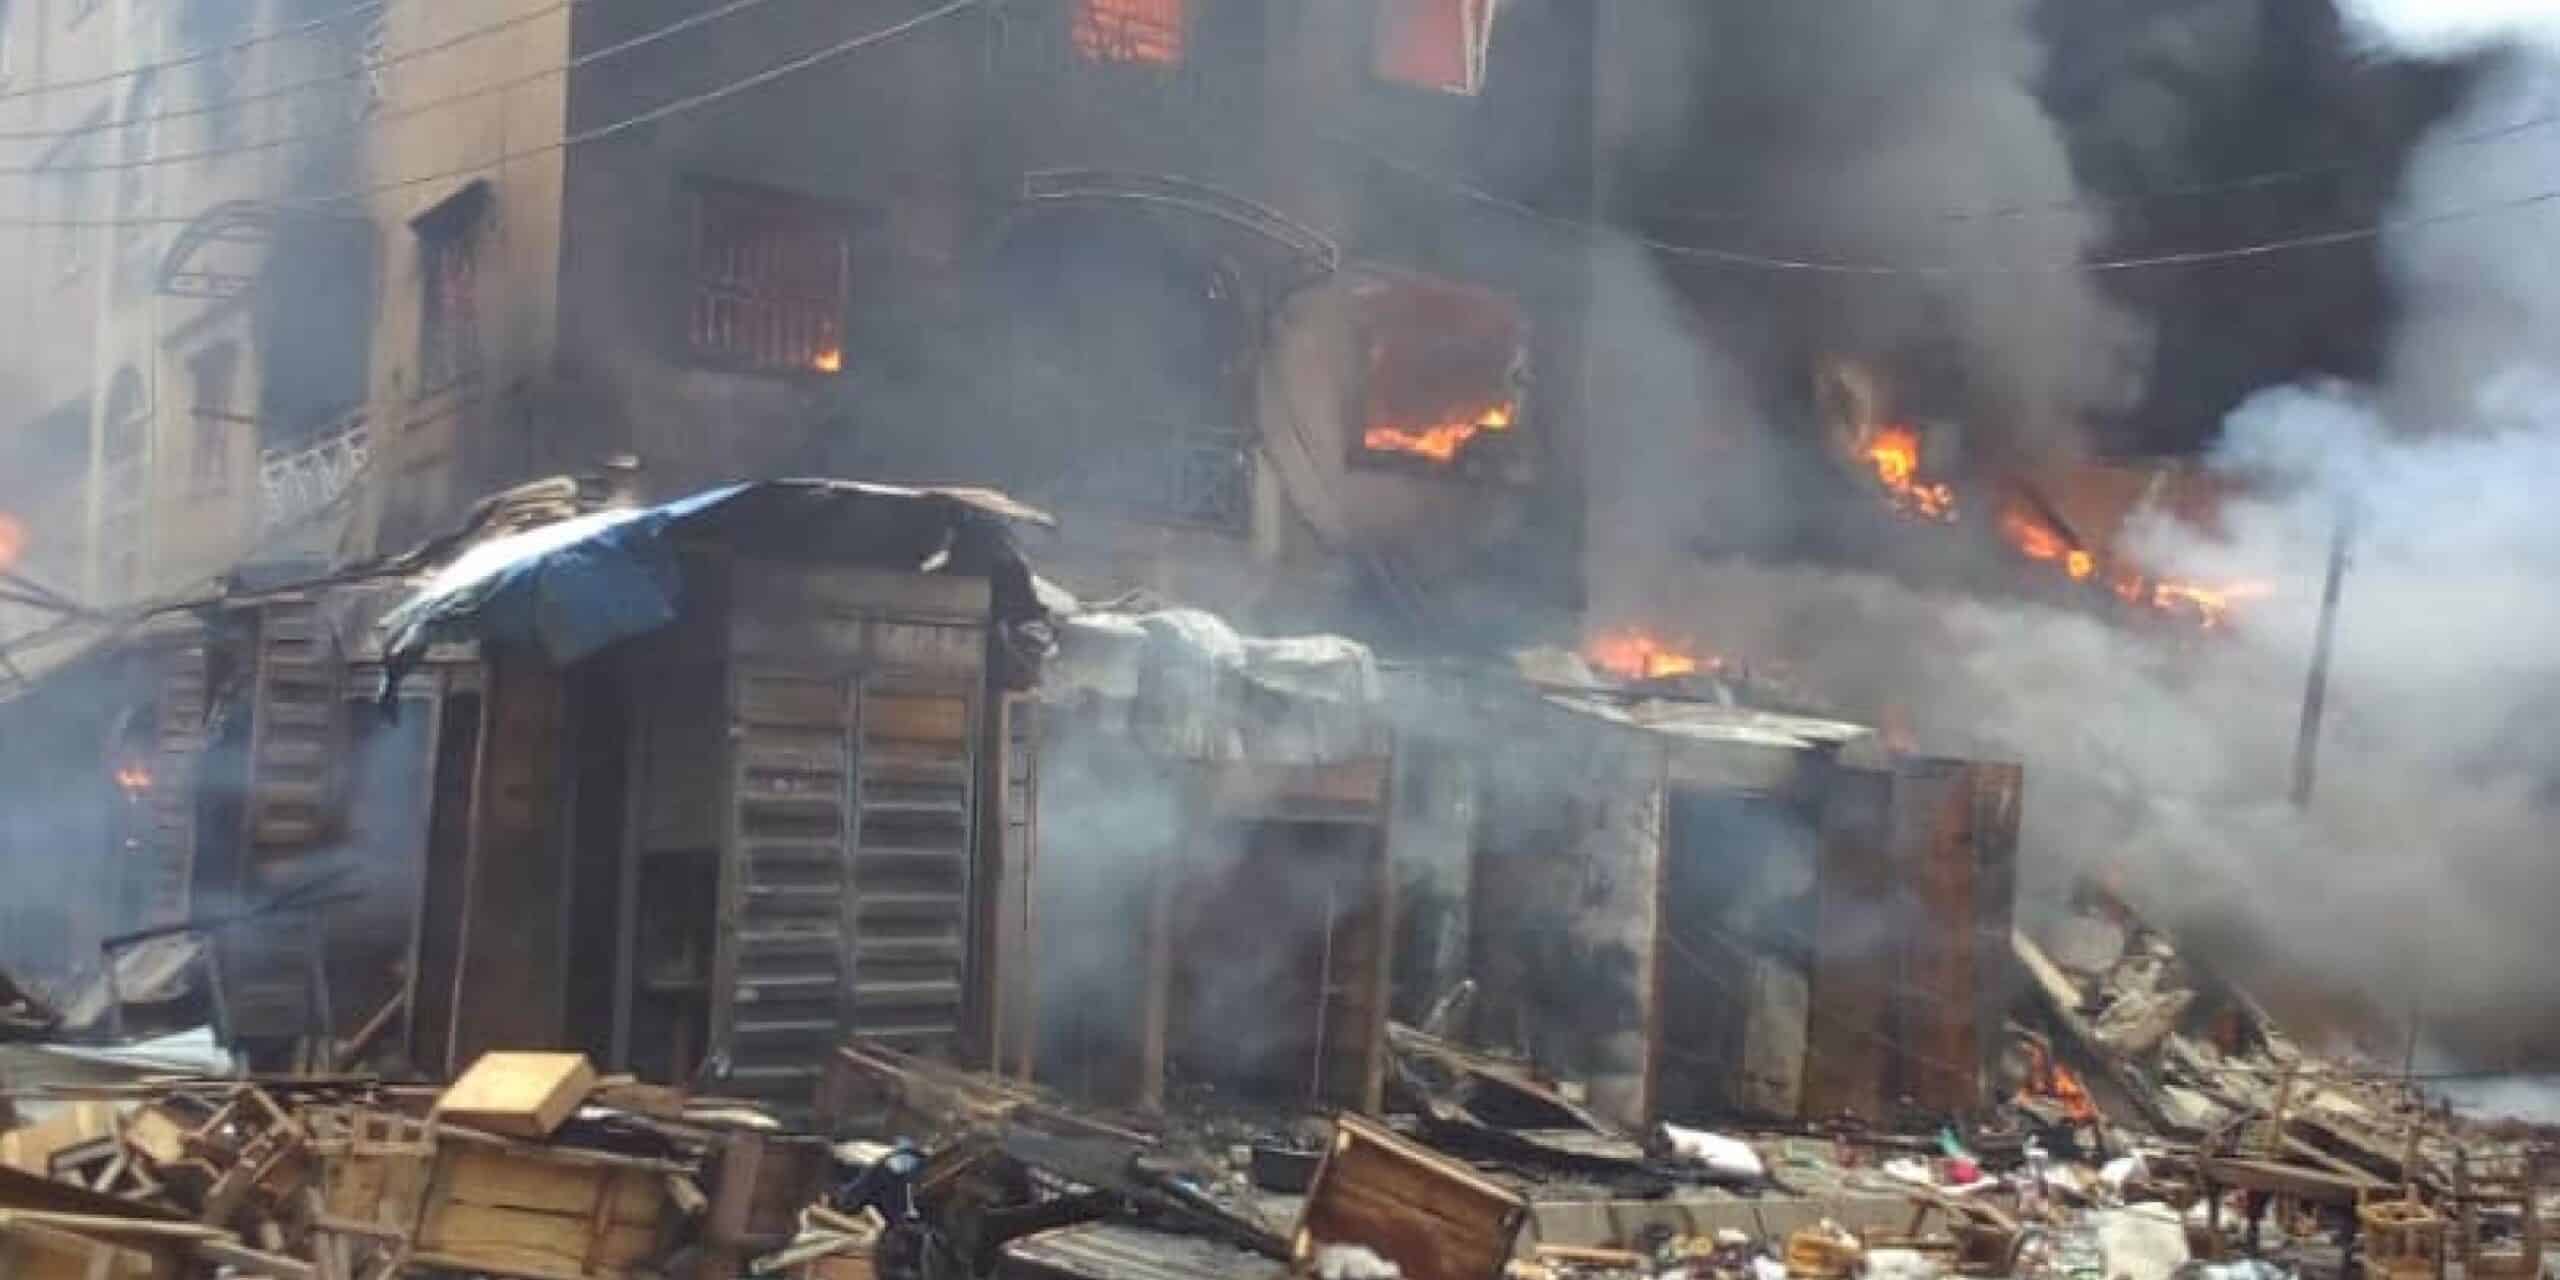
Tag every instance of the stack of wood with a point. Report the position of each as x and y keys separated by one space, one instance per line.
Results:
x=528 y=1166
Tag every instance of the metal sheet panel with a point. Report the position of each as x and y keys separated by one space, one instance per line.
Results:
x=1998 y=790
x=1847 y=1057
x=1934 y=1009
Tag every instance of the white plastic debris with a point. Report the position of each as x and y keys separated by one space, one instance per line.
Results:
x=1900 y=1264
x=1764 y=1267
x=1729 y=1156
x=1353 y=1262
x=2141 y=1242
x=2121 y=1170
x=1912 y=1170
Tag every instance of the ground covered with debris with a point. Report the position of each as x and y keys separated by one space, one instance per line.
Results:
x=2156 y=1127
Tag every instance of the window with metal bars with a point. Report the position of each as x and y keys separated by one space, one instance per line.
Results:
x=449 y=245
x=770 y=279
x=1433 y=44
x=1141 y=31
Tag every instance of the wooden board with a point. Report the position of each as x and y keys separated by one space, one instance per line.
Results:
x=526 y=1213
x=521 y=1095
x=32 y=1148
x=1433 y=1217
x=42 y=1253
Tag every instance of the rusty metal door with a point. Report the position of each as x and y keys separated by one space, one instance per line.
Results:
x=846 y=904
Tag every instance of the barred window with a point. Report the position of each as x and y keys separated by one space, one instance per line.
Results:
x=450 y=238
x=770 y=280
x=1434 y=44
x=1143 y=31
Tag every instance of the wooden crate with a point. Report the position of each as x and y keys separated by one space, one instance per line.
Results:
x=1435 y=1218
x=540 y=1213
x=521 y=1095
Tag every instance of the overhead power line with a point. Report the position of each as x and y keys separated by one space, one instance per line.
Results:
x=778 y=71
x=252 y=40
x=2099 y=202
x=425 y=107
x=114 y=124
x=2357 y=234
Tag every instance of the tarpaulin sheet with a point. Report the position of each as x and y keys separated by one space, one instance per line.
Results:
x=574 y=587
x=571 y=588
x=1185 y=683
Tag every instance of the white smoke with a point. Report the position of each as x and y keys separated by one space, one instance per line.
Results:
x=2443 y=28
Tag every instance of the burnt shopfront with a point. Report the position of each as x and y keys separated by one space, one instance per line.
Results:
x=1706 y=911
x=701 y=789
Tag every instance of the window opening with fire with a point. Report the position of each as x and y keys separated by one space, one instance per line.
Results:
x=1433 y=44
x=1150 y=32
x=770 y=280
x=451 y=239
x=1445 y=375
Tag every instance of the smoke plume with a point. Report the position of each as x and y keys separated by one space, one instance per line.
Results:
x=2418 y=877
x=1911 y=135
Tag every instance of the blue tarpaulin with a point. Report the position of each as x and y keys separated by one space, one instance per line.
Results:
x=573 y=588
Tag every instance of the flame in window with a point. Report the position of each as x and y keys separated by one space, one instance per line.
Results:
x=828 y=360
x=1142 y=31
x=13 y=539
x=1440 y=442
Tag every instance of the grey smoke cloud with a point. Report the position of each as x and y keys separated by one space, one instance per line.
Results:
x=1863 y=126
x=2420 y=876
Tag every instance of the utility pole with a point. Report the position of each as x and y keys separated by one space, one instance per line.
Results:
x=2315 y=693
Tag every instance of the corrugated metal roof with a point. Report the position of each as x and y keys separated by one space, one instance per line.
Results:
x=1116 y=1251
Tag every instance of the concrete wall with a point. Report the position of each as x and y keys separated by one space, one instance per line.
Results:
x=437 y=448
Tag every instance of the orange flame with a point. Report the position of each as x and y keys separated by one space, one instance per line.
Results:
x=2049 y=1080
x=1632 y=653
x=1443 y=442
x=2037 y=540
x=1894 y=452
x=2210 y=605
x=13 y=539
x=133 y=778
x=828 y=360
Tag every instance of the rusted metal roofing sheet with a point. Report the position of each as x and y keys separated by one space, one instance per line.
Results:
x=1115 y=1251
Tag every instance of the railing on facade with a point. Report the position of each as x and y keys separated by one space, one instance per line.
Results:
x=297 y=483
